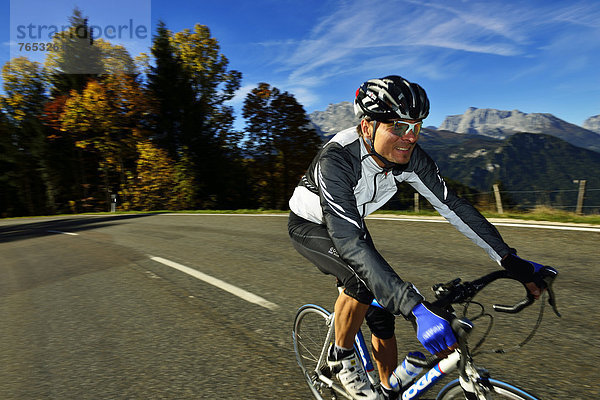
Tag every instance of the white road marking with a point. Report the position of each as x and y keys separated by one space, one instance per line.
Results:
x=557 y=227
x=65 y=233
x=236 y=291
x=520 y=225
x=523 y=224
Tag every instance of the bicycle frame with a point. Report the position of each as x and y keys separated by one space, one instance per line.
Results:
x=421 y=385
x=418 y=388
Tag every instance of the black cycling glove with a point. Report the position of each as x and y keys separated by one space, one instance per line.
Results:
x=523 y=270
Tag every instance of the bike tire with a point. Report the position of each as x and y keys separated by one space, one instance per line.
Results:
x=502 y=390
x=309 y=335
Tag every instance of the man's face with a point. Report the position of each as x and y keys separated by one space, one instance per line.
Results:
x=395 y=142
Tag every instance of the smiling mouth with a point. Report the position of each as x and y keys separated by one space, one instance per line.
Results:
x=402 y=148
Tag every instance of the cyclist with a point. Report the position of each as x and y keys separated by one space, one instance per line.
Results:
x=354 y=174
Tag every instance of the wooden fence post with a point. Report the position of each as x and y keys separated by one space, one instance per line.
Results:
x=498 y=199
x=580 y=196
x=416 y=202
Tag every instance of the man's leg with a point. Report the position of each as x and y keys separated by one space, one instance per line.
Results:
x=383 y=339
x=385 y=353
x=312 y=241
x=349 y=315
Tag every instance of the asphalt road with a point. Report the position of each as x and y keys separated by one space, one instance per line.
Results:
x=87 y=313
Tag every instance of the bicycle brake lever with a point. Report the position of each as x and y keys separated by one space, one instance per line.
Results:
x=549 y=281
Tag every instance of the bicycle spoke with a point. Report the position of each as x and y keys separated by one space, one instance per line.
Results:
x=310 y=332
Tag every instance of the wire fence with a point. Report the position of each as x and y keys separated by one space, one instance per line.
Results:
x=575 y=200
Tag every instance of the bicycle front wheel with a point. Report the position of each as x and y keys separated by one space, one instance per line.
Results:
x=501 y=390
x=311 y=336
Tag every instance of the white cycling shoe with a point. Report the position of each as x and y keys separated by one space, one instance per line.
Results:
x=352 y=376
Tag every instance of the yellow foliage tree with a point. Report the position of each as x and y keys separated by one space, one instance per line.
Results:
x=24 y=87
x=157 y=184
x=107 y=118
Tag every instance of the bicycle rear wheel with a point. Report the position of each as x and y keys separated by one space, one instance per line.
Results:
x=310 y=335
x=502 y=390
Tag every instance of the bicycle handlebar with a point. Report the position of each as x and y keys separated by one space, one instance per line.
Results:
x=456 y=292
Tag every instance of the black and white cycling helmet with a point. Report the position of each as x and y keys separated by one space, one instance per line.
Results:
x=391 y=98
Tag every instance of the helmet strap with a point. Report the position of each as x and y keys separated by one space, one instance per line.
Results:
x=387 y=165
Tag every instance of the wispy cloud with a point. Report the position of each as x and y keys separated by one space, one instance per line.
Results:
x=426 y=37
x=360 y=30
x=434 y=40
x=582 y=14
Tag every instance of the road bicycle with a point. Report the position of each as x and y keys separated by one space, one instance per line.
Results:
x=313 y=333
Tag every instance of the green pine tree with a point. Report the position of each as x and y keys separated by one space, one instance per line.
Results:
x=77 y=58
x=281 y=143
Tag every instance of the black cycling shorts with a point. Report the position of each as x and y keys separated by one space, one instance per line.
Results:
x=313 y=242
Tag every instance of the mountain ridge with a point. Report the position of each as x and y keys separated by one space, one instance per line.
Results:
x=489 y=122
x=334 y=118
x=535 y=168
x=501 y=124
x=592 y=123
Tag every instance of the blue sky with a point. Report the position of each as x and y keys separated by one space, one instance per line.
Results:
x=534 y=56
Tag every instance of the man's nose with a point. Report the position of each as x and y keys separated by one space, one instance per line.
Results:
x=410 y=136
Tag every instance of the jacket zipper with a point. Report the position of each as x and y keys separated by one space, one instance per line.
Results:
x=374 y=193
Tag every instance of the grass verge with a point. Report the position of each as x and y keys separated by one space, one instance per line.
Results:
x=538 y=214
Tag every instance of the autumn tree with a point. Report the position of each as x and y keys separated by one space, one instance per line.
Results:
x=281 y=143
x=191 y=82
x=9 y=190
x=24 y=98
x=212 y=82
x=107 y=119
x=79 y=58
x=70 y=132
x=153 y=181
x=115 y=59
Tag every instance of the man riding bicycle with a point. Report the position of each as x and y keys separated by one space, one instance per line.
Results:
x=353 y=175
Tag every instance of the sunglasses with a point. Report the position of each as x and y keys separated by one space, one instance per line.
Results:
x=401 y=128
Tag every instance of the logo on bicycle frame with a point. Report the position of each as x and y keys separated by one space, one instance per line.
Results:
x=422 y=383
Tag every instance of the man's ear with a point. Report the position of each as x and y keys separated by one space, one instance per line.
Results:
x=365 y=126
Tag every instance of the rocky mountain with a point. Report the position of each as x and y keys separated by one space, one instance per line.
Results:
x=501 y=124
x=524 y=162
x=592 y=123
x=334 y=119
x=492 y=123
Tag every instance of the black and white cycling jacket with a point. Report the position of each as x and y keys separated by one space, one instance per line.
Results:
x=344 y=184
